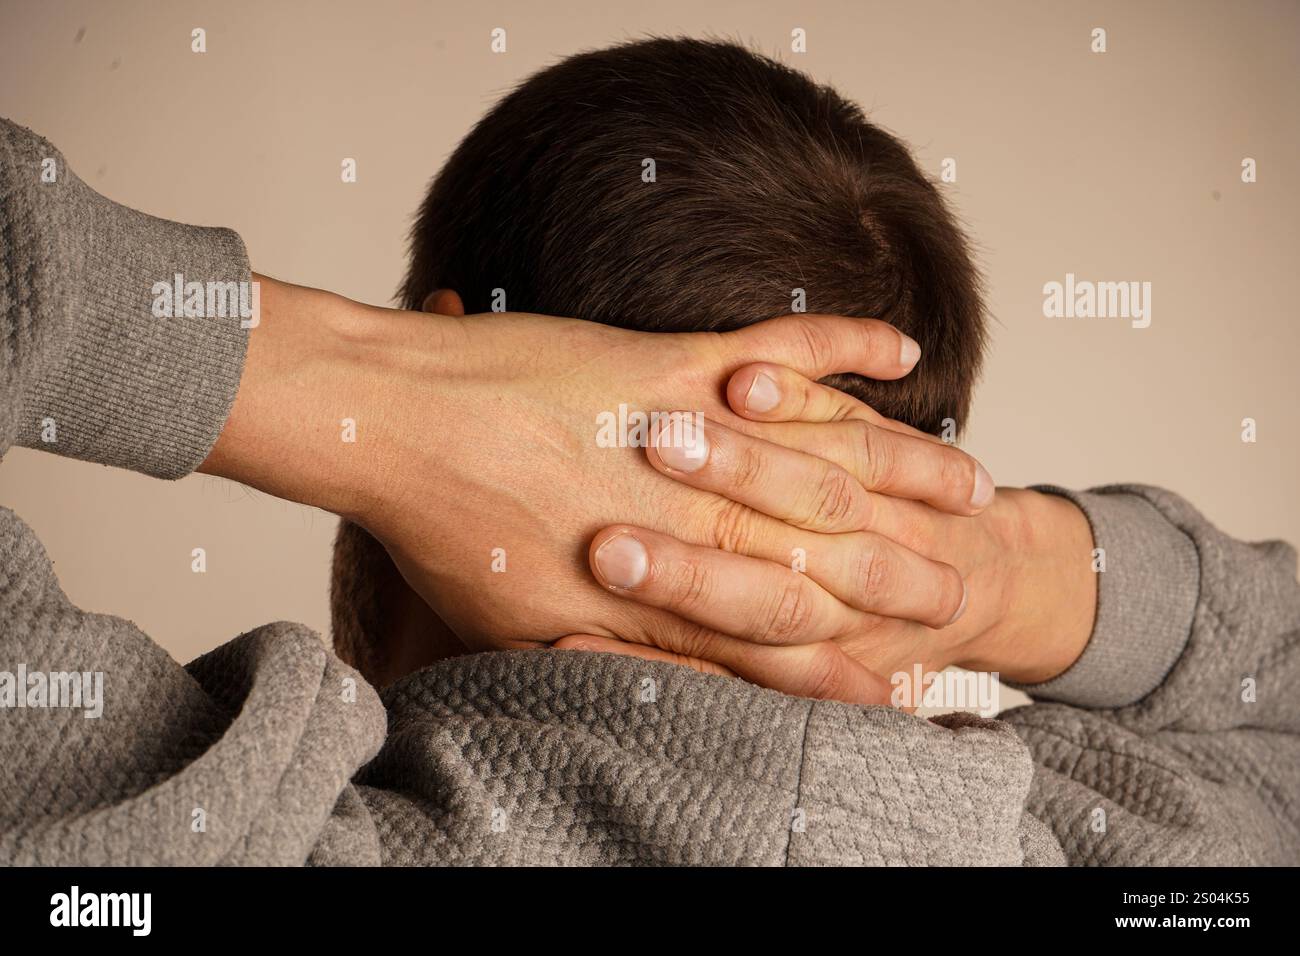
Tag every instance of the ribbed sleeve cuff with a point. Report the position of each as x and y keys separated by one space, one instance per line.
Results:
x=126 y=387
x=1146 y=599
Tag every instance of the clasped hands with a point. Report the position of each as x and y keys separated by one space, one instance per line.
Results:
x=799 y=540
x=893 y=552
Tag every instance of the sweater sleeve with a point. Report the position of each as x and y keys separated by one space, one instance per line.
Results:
x=101 y=360
x=1185 y=725
x=1148 y=581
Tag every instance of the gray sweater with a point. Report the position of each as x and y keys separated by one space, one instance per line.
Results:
x=1175 y=738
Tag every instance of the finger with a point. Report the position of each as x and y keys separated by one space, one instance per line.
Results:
x=763 y=392
x=763 y=600
x=766 y=392
x=737 y=595
x=904 y=466
x=824 y=485
x=893 y=463
x=912 y=523
x=882 y=578
x=884 y=574
x=821 y=345
x=800 y=489
x=821 y=671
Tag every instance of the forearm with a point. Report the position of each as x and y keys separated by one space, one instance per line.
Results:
x=308 y=414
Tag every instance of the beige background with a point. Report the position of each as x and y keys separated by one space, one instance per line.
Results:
x=1119 y=166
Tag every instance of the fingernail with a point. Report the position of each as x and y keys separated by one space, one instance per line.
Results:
x=965 y=593
x=763 y=395
x=910 y=351
x=984 y=488
x=622 y=561
x=682 y=444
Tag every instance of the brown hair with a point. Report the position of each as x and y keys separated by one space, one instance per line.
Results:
x=764 y=182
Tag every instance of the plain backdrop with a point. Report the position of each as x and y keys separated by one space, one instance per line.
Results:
x=1115 y=166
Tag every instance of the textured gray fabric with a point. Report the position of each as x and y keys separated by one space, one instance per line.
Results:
x=268 y=750
x=601 y=759
x=1207 y=766
x=257 y=737
x=1148 y=587
x=84 y=350
x=553 y=757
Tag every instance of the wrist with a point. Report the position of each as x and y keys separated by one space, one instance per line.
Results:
x=311 y=417
x=1043 y=596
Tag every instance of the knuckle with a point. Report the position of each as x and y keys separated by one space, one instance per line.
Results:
x=835 y=499
x=869 y=339
x=880 y=465
x=733 y=527
x=792 y=613
x=817 y=343
x=689 y=584
x=695 y=641
x=957 y=474
x=826 y=675
x=873 y=572
x=854 y=447
x=843 y=409
x=748 y=467
x=953 y=596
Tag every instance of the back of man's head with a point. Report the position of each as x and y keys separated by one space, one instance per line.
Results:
x=763 y=183
x=682 y=185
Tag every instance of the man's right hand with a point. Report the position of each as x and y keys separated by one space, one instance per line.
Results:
x=1029 y=598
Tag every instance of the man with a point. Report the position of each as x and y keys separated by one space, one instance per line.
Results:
x=766 y=184
x=127 y=344
x=627 y=210
x=254 y=753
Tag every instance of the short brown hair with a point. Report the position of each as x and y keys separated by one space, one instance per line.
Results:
x=764 y=182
